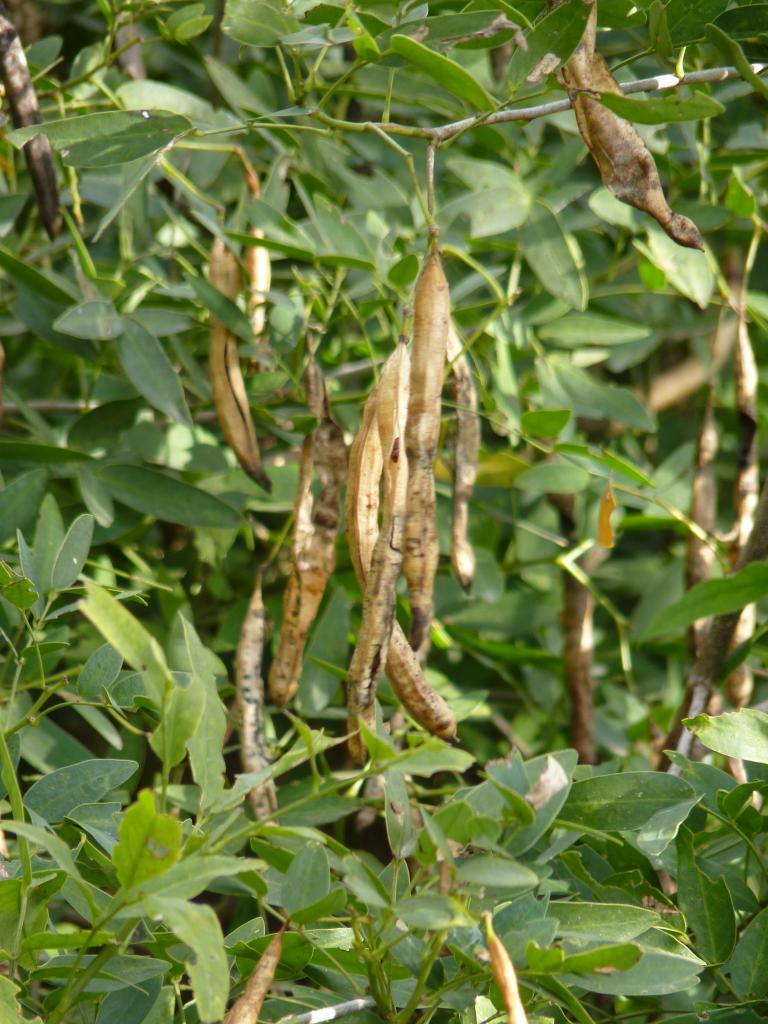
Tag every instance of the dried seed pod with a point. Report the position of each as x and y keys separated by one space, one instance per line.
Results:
x=247 y=1008
x=258 y=265
x=622 y=157
x=229 y=394
x=605 y=534
x=362 y=508
x=378 y=616
x=362 y=504
x=504 y=973
x=465 y=456
x=431 y=318
x=409 y=683
x=20 y=91
x=316 y=524
x=254 y=755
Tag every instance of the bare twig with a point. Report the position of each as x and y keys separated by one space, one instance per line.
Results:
x=327 y=1013
x=448 y=131
x=701 y=556
x=710 y=660
x=740 y=682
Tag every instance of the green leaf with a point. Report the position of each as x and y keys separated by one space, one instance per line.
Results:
x=20 y=501
x=150 y=842
x=624 y=801
x=19 y=590
x=73 y=552
x=129 y=638
x=747 y=965
x=431 y=756
x=685 y=269
x=707 y=904
x=744 y=22
x=742 y=734
x=258 y=22
x=107 y=138
x=545 y=422
x=732 y=51
x=94 y=320
x=181 y=716
x=712 y=597
x=552 y=257
x=657 y=833
x=446 y=72
x=99 y=672
x=570 y=386
x=190 y=877
x=198 y=927
x=206 y=743
x=149 y=370
x=603 y=959
x=54 y=795
x=592 y=329
x=496 y=873
x=50 y=285
x=686 y=22
x=665 y=966
x=307 y=880
x=665 y=110
x=431 y=912
x=549 y=44
x=601 y=922
x=164 y=497
x=556 y=476
x=47 y=454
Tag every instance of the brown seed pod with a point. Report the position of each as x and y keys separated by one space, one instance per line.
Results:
x=362 y=507
x=247 y=1008
x=465 y=456
x=378 y=616
x=229 y=394
x=409 y=683
x=606 y=536
x=249 y=683
x=622 y=157
x=258 y=265
x=504 y=973
x=20 y=91
x=431 y=319
x=316 y=525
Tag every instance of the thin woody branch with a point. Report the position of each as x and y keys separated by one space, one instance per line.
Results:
x=657 y=83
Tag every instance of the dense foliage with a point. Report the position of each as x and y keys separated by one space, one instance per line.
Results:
x=136 y=883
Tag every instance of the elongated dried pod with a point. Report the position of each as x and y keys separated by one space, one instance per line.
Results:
x=740 y=683
x=247 y=1008
x=254 y=755
x=25 y=111
x=229 y=394
x=316 y=524
x=700 y=555
x=421 y=701
x=370 y=654
x=626 y=166
x=504 y=973
x=259 y=267
x=362 y=508
x=432 y=308
x=466 y=450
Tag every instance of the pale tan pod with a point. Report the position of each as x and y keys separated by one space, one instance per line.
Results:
x=229 y=394
x=247 y=1008
x=249 y=684
x=378 y=615
x=432 y=310
x=421 y=701
x=622 y=157
x=465 y=456
x=316 y=525
x=504 y=973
